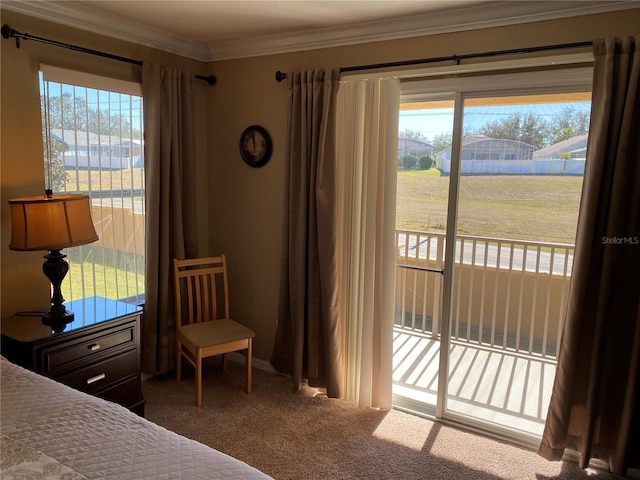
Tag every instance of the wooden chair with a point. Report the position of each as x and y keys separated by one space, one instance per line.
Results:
x=203 y=326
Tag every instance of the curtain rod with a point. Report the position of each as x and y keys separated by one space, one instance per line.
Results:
x=280 y=76
x=8 y=32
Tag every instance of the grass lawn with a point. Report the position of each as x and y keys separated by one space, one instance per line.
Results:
x=103 y=281
x=128 y=178
x=523 y=207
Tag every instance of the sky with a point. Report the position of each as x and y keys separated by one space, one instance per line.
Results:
x=127 y=106
x=431 y=122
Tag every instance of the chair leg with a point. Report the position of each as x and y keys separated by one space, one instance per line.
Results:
x=198 y=378
x=249 y=356
x=178 y=360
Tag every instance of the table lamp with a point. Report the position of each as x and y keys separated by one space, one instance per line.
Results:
x=52 y=223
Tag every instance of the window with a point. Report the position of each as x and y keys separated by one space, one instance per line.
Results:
x=92 y=131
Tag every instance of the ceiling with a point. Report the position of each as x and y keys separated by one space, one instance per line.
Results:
x=209 y=30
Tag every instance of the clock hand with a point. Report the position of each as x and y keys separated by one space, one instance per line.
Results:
x=253 y=139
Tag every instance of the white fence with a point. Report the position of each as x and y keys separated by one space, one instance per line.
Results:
x=515 y=167
x=104 y=162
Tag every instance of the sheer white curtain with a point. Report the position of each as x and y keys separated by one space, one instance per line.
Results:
x=367 y=156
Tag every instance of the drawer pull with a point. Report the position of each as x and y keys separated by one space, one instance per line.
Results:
x=95 y=379
x=94 y=347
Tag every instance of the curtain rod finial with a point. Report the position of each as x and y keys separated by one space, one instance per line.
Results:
x=7 y=31
x=280 y=76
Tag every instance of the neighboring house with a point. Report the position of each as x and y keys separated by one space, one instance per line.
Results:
x=487 y=148
x=574 y=147
x=490 y=156
x=86 y=149
x=495 y=156
x=411 y=146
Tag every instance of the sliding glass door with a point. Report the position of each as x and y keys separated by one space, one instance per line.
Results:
x=480 y=292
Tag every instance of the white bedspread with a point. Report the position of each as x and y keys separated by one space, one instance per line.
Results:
x=21 y=462
x=100 y=439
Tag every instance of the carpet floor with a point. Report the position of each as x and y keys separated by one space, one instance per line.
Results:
x=303 y=435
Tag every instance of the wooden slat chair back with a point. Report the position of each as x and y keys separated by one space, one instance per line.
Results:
x=203 y=326
x=200 y=291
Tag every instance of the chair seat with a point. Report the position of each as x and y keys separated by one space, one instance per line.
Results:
x=215 y=332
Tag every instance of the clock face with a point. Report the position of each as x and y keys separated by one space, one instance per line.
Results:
x=255 y=146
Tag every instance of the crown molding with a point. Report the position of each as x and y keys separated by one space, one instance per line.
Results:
x=447 y=21
x=473 y=17
x=102 y=23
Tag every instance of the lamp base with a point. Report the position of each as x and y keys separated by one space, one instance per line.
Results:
x=57 y=318
x=55 y=268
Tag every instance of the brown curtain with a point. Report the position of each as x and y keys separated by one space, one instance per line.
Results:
x=309 y=336
x=171 y=229
x=595 y=403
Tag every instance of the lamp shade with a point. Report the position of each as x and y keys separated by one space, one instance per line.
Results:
x=51 y=223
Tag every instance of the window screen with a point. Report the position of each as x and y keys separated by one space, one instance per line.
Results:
x=92 y=132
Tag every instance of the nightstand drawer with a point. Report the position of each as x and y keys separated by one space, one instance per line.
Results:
x=122 y=392
x=100 y=375
x=61 y=355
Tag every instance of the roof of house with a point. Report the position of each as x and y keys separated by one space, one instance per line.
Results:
x=573 y=144
x=81 y=138
x=73 y=137
x=477 y=141
x=413 y=145
x=483 y=139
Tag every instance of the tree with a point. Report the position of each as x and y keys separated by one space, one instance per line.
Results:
x=425 y=162
x=63 y=112
x=441 y=141
x=54 y=172
x=413 y=134
x=70 y=113
x=526 y=127
x=408 y=162
x=568 y=123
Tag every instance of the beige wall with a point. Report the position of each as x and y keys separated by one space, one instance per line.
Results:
x=244 y=204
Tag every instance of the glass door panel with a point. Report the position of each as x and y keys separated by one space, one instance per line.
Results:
x=421 y=221
x=521 y=169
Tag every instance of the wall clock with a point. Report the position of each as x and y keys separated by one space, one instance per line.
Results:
x=255 y=146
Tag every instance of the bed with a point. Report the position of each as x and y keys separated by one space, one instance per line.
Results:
x=49 y=430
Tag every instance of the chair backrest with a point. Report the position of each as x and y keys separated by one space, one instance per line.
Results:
x=201 y=289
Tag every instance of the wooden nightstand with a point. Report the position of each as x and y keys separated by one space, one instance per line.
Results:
x=98 y=353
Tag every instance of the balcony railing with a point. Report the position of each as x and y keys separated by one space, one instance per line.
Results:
x=507 y=294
